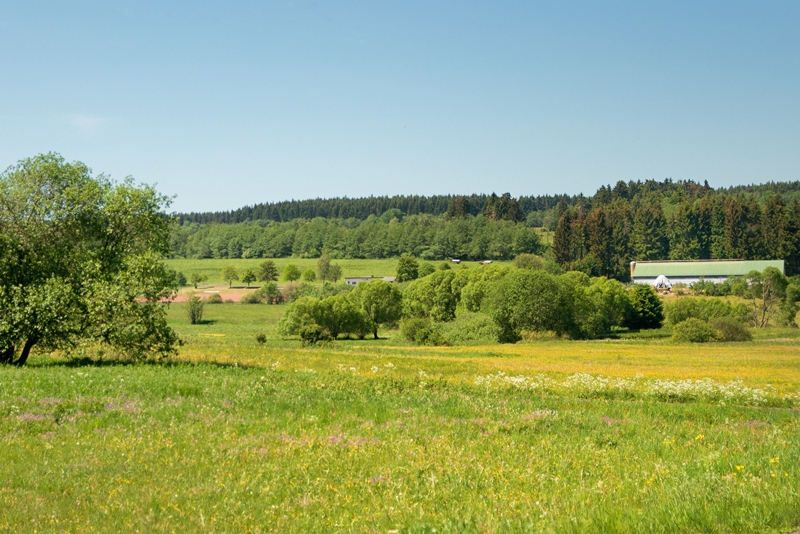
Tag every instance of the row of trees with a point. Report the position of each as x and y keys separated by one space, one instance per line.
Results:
x=529 y=298
x=516 y=300
x=527 y=206
x=603 y=240
x=268 y=272
x=362 y=208
x=387 y=236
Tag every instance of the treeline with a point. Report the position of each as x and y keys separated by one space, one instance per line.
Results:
x=361 y=208
x=598 y=235
x=390 y=235
x=601 y=237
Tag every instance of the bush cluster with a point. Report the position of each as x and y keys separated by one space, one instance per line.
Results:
x=705 y=309
x=694 y=330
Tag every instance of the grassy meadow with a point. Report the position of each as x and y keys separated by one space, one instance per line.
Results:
x=630 y=435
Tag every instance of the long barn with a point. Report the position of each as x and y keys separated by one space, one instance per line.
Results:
x=689 y=272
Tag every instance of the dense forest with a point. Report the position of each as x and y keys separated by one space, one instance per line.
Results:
x=598 y=235
x=361 y=208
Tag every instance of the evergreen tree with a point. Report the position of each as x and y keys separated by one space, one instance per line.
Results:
x=684 y=233
x=649 y=237
x=562 y=240
x=599 y=240
x=775 y=220
x=458 y=208
x=792 y=240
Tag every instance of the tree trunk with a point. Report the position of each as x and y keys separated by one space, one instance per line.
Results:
x=375 y=332
x=26 y=350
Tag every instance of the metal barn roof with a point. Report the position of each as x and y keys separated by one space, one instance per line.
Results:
x=648 y=269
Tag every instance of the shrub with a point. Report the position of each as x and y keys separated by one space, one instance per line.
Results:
x=311 y=334
x=704 y=309
x=469 y=327
x=251 y=298
x=194 y=308
x=422 y=331
x=261 y=339
x=528 y=261
x=646 y=309
x=531 y=300
x=730 y=329
x=694 y=330
x=411 y=326
x=270 y=293
x=214 y=298
x=309 y=275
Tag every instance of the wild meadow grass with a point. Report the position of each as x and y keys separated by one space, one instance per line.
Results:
x=365 y=436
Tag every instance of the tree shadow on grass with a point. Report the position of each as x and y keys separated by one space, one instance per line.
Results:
x=75 y=363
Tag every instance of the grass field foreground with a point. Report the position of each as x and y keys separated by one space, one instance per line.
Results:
x=365 y=436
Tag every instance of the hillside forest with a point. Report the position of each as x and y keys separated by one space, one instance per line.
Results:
x=598 y=235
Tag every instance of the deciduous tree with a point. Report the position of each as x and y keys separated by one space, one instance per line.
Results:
x=81 y=262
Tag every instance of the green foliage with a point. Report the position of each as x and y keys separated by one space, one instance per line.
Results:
x=730 y=329
x=694 y=330
x=261 y=338
x=767 y=292
x=180 y=278
x=248 y=277
x=270 y=293
x=646 y=308
x=478 y=284
x=469 y=328
x=433 y=296
x=335 y=315
x=529 y=261
x=229 y=274
x=705 y=309
x=309 y=275
x=379 y=301
x=407 y=269
x=711 y=289
x=251 y=298
x=194 y=308
x=425 y=268
x=291 y=273
x=311 y=334
x=81 y=262
x=411 y=327
x=422 y=331
x=319 y=292
x=600 y=306
x=214 y=298
x=197 y=278
x=530 y=300
x=267 y=271
x=328 y=272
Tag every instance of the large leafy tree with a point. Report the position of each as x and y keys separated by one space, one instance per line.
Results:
x=80 y=262
x=380 y=302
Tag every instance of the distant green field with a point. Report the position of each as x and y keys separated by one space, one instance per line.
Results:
x=213 y=267
x=380 y=436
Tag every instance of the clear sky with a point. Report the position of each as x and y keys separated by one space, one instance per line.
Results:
x=233 y=103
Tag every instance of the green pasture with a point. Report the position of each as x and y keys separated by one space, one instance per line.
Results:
x=382 y=436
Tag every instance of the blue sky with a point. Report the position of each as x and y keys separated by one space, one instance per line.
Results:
x=228 y=104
